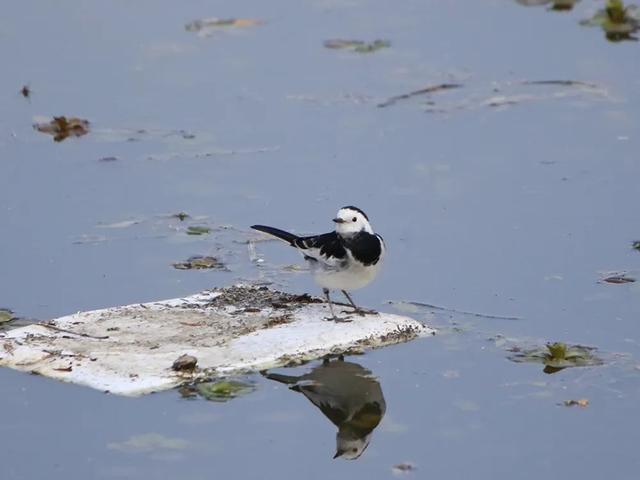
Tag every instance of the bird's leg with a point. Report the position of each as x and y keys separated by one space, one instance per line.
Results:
x=356 y=309
x=333 y=315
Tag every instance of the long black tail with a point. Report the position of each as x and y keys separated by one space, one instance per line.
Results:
x=290 y=238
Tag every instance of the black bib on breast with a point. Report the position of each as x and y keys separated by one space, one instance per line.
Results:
x=365 y=247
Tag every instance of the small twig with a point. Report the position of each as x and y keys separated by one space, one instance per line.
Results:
x=462 y=312
x=564 y=83
x=63 y=330
x=422 y=91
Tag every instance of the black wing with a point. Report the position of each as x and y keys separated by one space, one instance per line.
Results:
x=327 y=248
x=366 y=248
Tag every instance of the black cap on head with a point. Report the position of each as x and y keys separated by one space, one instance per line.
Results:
x=351 y=207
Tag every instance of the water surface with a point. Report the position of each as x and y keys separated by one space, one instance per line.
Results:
x=499 y=197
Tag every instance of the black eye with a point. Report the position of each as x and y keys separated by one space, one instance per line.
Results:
x=354 y=219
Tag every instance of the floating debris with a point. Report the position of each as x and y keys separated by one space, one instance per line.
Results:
x=129 y=350
x=557 y=356
x=198 y=230
x=186 y=135
x=295 y=268
x=108 y=159
x=617 y=21
x=357 y=45
x=581 y=402
x=6 y=315
x=562 y=83
x=185 y=363
x=617 y=278
x=182 y=216
x=63 y=127
x=499 y=94
x=121 y=224
x=200 y=263
x=25 y=91
x=150 y=443
x=206 y=26
x=423 y=91
x=403 y=468
x=557 y=5
x=86 y=239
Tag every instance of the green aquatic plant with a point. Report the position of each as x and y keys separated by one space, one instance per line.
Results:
x=557 y=356
x=198 y=230
x=224 y=390
x=199 y=262
x=557 y=350
x=615 y=10
x=6 y=315
x=618 y=21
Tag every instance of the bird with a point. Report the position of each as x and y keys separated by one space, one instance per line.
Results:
x=346 y=259
x=348 y=395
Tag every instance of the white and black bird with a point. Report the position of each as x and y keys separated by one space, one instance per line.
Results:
x=346 y=259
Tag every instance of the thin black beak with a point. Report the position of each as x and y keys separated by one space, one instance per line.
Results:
x=338 y=220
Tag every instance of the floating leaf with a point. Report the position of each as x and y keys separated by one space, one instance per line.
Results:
x=357 y=45
x=198 y=230
x=224 y=390
x=63 y=127
x=557 y=356
x=581 y=402
x=6 y=315
x=200 y=263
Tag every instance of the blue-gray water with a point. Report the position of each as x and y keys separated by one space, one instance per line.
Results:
x=514 y=210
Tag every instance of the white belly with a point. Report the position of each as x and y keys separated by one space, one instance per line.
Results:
x=352 y=278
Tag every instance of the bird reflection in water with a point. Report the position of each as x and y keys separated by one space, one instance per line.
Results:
x=348 y=395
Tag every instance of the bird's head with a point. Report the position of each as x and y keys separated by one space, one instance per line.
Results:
x=350 y=448
x=351 y=220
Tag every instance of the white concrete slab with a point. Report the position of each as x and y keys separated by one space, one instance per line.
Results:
x=130 y=350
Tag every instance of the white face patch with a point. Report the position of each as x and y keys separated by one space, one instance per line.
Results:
x=352 y=222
